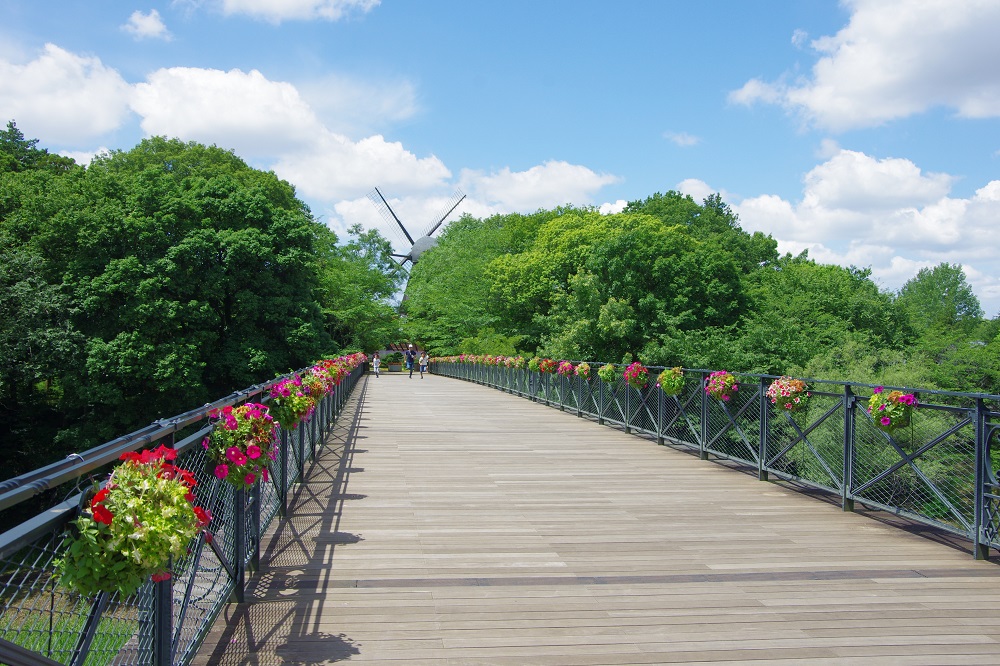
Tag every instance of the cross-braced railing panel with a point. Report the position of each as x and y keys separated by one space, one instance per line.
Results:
x=734 y=425
x=808 y=445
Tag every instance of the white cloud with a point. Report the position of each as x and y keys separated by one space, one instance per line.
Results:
x=896 y=59
x=282 y=10
x=243 y=111
x=889 y=215
x=147 y=26
x=84 y=157
x=682 y=139
x=551 y=184
x=334 y=167
x=612 y=208
x=63 y=97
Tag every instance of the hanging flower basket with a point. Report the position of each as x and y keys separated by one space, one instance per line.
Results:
x=722 y=385
x=671 y=381
x=534 y=364
x=608 y=373
x=565 y=369
x=242 y=446
x=891 y=410
x=547 y=365
x=788 y=394
x=291 y=402
x=636 y=375
x=129 y=530
x=583 y=371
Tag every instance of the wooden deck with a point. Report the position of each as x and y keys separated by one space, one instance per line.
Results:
x=454 y=524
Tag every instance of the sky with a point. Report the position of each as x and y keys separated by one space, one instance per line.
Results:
x=866 y=132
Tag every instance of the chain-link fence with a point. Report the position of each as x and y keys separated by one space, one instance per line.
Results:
x=940 y=469
x=42 y=622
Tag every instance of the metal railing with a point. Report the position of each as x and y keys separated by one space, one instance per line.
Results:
x=43 y=623
x=939 y=471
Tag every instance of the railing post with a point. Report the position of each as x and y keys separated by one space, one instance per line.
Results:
x=980 y=545
x=562 y=393
x=163 y=621
x=579 y=396
x=628 y=407
x=847 y=484
x=765 y=427
x=302 y=452
x=283 y=491
x=600 y=407
x=239 y=544
x=255 y=525
x=702 y=450
x=659 y=415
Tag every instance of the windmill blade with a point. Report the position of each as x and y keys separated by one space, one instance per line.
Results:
x=450 y=206
x=387 y=213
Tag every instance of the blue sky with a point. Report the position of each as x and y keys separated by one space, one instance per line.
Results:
x=866 y=132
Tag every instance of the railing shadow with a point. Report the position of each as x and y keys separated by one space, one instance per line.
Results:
x=282 y=609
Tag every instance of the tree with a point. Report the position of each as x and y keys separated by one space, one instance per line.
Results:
x=940 y=297
x=358 y=281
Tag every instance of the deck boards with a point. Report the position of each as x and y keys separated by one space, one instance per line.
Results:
x=449 y=523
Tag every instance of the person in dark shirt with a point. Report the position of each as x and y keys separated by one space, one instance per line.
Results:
x=411 y=357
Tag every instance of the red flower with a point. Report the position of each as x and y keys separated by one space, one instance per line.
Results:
x=204 y=517
x=101 y=514
x=160 y=577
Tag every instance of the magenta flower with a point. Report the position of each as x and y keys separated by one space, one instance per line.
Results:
x=235 y=456
x=249 y=478
x=264 y=474
x=221 y=471
x=253 y=452
x=877 y=389
x=886 y=420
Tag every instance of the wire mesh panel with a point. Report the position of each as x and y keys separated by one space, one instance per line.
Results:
x=927 y=468
x=613 y=400
x=681 y=415
x=808 y=445
x=643 y=412
x=734 y=425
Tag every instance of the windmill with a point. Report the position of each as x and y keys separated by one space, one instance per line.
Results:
x=421 y=244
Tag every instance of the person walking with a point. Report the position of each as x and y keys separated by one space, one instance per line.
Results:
x=376 y=363
x=411 y=356
x=423 y=364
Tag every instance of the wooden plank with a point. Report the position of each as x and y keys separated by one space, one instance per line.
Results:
x=460 y=525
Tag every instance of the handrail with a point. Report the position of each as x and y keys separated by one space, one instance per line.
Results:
x=163 y=623
x=17 y=489
x=941 y=471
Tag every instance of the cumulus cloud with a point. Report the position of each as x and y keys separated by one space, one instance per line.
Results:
x=63 y=97
x=612 y=208
x=147 y=26
x=554 y=183
x=240 y=110
x=276 y=11
x=894 y=60
x=335 y=167
x=889 y=215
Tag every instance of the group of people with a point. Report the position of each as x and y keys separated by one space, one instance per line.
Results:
x=411 y=359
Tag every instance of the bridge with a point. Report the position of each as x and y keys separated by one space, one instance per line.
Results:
x=553 y=521
x=447 y=522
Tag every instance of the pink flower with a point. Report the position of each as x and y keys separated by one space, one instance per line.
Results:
x=877 y=389
x=264 y=475
x=221 y=471
x=249 y=478
x=204 y=443
x=253 y=452
x=235 y=456
x=886 y=420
